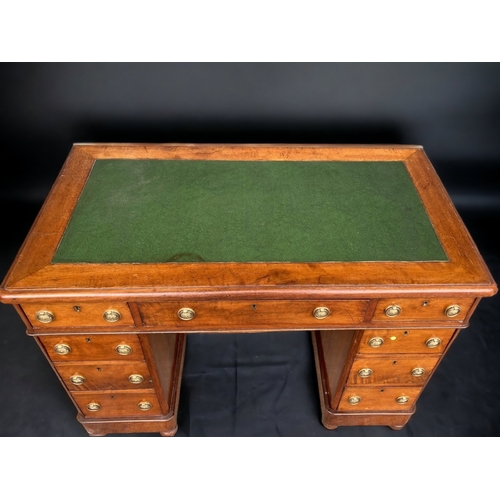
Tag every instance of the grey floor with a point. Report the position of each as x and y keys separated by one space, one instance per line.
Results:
x=263 y=384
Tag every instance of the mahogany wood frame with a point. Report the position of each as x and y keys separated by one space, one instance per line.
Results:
x=34 y=279
x=33 y=274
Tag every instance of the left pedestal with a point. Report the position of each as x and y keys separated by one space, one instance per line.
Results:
x=120 y=383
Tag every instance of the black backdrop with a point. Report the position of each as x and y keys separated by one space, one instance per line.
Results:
x=262 y=384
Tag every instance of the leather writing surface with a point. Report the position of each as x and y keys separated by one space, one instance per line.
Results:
x=248 y=211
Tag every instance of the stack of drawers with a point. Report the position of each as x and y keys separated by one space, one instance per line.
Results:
x=105 y=374
x=391 y=367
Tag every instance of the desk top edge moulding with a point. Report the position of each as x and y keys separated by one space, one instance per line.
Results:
x=137 y=245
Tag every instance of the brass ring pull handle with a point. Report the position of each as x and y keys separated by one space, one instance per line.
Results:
x=136 y=378
x=123 y=349
x=145 y=405
x=365 y=372
x=375 y=342
x=45 y=316
x=354 y=400
x=433 y=342
x=452 y=311
x=186 y=314
x=418 y=372
x=321 y=312
x=393 y=310
x=62 y=349
x=402 y=400
x=112 y=316
x=77 y=379
x=93 y=406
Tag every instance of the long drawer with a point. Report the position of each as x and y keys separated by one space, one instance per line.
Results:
x=271 y=314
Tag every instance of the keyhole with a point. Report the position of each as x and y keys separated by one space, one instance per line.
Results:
x=394 y=362
x=406 y=332
x=254 y=306
x=76 y=309
x=98 y=369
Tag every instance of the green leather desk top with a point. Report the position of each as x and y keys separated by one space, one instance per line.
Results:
x=150 y=211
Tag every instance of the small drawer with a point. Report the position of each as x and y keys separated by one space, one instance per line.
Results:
x=246 y=315
x=118 y=404
x=377 y=399
x=392 y=371
x=46 y=315
x=105 y=376
x=407 y=310
x=92 y=347
x=405 y=341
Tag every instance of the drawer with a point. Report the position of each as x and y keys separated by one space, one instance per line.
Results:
x=105 y=376
x=394 y=310
x=118 y=404
x=241 y=315
x=392 y=371
x=377 y=399
x=405 y=341
x=78 y=314
x=92 y=347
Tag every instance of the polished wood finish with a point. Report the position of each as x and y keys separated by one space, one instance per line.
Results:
x=422 y=309
x=93 y=347
x=394 y=370
x=105 y=376
x=267 y=315
x=244 y=297
x=402 y=341
x=75 y=315
x=117 y=403
x=377 y=399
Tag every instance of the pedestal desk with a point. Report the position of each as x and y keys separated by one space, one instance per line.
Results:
x=138 y=245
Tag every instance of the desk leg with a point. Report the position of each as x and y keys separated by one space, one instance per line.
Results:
x=334 y=353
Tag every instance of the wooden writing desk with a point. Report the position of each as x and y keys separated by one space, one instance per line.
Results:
x=138 y=245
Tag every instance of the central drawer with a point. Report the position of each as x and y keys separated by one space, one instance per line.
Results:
x=241 y=315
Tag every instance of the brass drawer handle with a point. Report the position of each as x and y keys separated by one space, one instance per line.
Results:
x=145 y=405
x=365 y=372
x=433 y=342
x=112 y=316
x=77 y=379
x=62 y=349
x=402 y=400
x=123 y=349
x=321 y=312
x=393 y=310
x=93 y=406
x=375 y=342
x=354 y=400
x=186 y=314
x=452 y=311
x=418 y=372
x=45 y=316
x=136 y=378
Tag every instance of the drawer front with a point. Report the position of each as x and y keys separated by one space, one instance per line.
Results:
x=78 y=314
x=392 y=371
x=117 y=404
x=395 y=310
x=105 y=376
x=405 y=341
x=377 y=399
x=92 y=347
x=240 y=315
